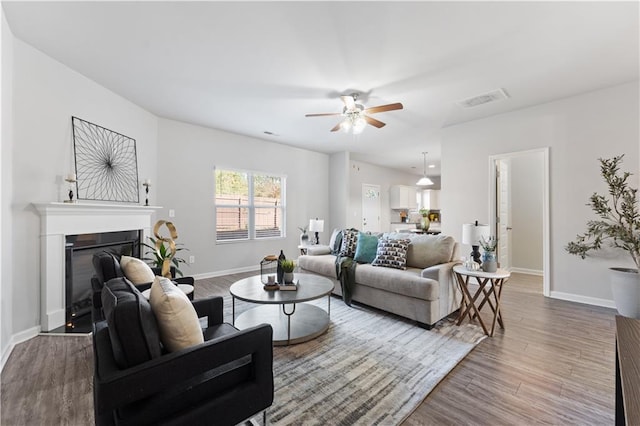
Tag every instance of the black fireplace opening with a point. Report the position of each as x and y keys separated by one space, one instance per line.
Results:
x=79 y=251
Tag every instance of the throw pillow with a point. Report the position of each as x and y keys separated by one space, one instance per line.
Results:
x=366 y=248
x=349 y=242
x=334 y=235
x=136 y=270
x=177 y=318
x=337 y=244
x=392 y=254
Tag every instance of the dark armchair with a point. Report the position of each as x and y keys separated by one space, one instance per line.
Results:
x=107 y=266
x=222 y=381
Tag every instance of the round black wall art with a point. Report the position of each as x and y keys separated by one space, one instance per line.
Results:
x=106 y=163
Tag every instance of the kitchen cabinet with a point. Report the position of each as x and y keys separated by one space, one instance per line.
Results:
x=402 y=197
x=431 y=199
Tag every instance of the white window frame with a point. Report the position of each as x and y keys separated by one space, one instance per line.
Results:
x=251 y=206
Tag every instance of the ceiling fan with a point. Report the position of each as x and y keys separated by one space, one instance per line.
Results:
x=356 y=115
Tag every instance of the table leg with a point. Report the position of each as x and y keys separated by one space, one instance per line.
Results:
x=288 y=314
x=497 y=314
x=233 y=310
x=470 y=301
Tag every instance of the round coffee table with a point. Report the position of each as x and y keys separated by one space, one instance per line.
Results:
x=292 y=320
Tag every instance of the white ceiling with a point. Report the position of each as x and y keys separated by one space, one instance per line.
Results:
x=251 y=67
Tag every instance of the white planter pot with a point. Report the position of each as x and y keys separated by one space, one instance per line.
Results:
x=625 y=283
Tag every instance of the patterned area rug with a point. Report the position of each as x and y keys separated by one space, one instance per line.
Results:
x=369 y=368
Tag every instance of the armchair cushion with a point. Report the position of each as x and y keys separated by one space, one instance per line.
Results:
x=132 y=326
x=136 y=270
x=177 y=318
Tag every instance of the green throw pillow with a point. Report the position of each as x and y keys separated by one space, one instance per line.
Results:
x=367 y=248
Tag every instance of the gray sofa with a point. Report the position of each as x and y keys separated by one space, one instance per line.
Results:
x=425 y=292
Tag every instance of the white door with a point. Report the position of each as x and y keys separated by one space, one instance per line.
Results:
x=370 y=208
x=503 y=218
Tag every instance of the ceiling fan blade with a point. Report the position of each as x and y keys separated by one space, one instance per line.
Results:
x=336 y=127
x=383 y=108
x=374 y=122
x=349 y=102
x=323 y=114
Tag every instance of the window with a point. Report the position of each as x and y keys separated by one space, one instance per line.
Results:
x=249 y=205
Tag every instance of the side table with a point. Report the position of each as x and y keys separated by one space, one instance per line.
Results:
x=488 y=292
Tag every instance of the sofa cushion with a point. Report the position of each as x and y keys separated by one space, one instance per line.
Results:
x=391 y=254
x=366 y=248
x=132 y=325
x=323 y=265
x=428 y=250
x=136 y=270
x=349 y=242
x=407 y=282
x=177 y=318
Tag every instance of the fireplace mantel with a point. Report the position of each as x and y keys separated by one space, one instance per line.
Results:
x=57 y=220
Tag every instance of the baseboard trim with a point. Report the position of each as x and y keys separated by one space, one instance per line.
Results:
x=17 y=338
x=583 y=299
x=226 y=272
x=535 y=272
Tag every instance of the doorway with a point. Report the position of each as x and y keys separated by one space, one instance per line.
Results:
x=370 y=208
x=519 y=211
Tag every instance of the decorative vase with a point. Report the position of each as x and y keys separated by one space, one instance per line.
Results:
x=489 y=263
x=424 y=223
x=288 y=277
x=304 y=239
x=625 y=284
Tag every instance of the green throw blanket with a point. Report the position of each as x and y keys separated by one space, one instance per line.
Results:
x=346 y=273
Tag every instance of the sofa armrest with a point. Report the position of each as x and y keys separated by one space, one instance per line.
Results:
x=211 y=307
x=120 y=387
x=440 y=272
x=448 y=291
x=318 y=250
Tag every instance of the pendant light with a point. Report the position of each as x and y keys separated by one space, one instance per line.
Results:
x=424 y=180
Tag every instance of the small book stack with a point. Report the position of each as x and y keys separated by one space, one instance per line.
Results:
x=289 y=286
x=271 y=287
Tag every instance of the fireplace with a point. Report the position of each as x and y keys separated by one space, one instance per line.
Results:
x=59 y=220
x=79 y=251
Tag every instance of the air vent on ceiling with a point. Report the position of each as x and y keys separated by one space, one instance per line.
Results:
x=495 y=95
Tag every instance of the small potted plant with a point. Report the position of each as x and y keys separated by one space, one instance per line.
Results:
x=156 y=257
x=288 y=266
x=618 y=224
x=489 y=263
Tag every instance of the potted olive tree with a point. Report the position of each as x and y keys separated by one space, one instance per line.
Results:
x=618 y=225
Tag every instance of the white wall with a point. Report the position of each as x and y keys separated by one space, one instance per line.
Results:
x=360 y=173
x=187 y=155
x=527 y=187
x=6 y=79
x=578 y=130
x=45 y=96
x=339 y=164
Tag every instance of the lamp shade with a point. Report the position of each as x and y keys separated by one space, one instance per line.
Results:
x=424 y=181
x=472 y=232
x=316 y=225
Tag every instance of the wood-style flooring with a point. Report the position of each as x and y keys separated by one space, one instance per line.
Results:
x=552 y=364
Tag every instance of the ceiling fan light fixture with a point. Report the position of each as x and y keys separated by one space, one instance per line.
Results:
x=359 y=124
x=424 y=180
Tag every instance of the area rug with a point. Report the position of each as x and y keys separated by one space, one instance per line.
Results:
x=369 y=368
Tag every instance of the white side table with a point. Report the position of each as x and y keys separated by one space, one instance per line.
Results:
x=488 y=292
x=186 y=289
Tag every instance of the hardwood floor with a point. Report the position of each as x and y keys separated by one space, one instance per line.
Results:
x=553 y=363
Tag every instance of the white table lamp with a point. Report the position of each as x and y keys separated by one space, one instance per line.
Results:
x=471 y=234
x=316 y=225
